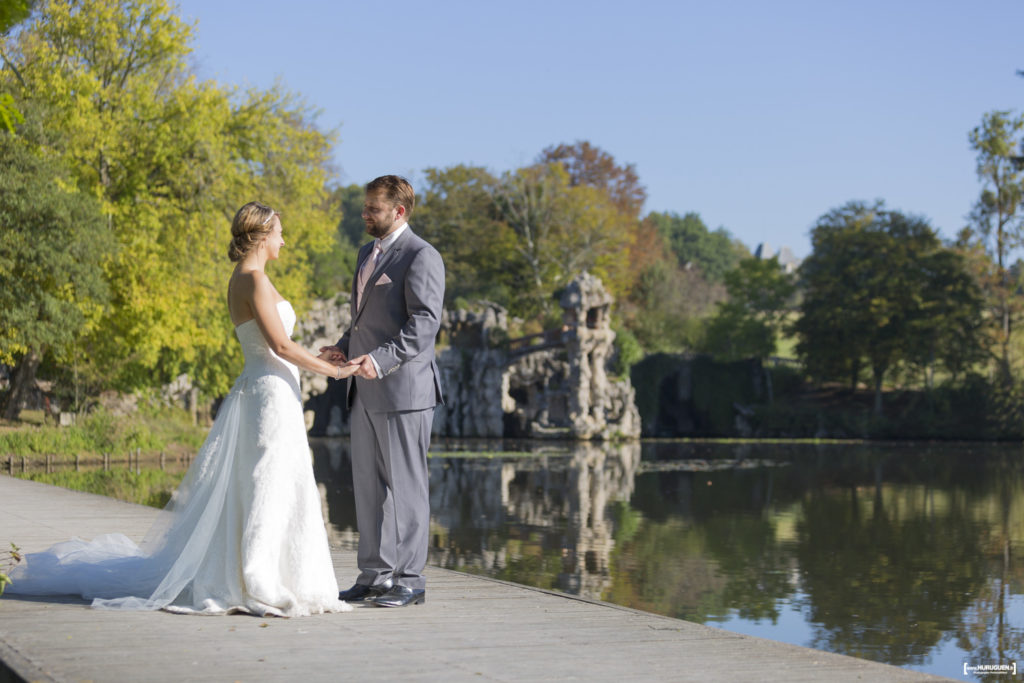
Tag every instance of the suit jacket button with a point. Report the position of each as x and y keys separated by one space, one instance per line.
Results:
x=356 y=328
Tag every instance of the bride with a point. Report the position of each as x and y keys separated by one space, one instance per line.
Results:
x=244 y=531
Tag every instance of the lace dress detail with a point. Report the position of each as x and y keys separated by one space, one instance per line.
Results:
x=244 y=532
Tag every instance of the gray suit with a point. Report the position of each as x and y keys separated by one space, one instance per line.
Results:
x=396 y=323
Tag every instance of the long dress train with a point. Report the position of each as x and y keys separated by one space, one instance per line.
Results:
x=243 y=532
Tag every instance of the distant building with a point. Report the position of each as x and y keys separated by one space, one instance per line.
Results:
x=787 y=260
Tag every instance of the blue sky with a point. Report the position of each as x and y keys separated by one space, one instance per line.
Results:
x=758 y=116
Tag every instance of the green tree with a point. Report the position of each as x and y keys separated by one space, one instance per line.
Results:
x=997 y=213
x=613 y=199
x=51 y=285
x=668 y=305
x=12 y=12
x=332 y=270
x=750 y=321
x=517 y=238
x=348 y=201
x=559 y=230
x=170 y=158
x=597 y=237
x=951 y=328
x=881 y=290
x=527 y=203
x=456 y=213
x=715 y=252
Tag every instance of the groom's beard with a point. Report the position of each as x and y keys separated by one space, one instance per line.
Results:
x=377 y=230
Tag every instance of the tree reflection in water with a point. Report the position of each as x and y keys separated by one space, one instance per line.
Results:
x=888 y=552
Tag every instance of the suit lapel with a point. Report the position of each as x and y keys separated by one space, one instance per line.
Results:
x=390 y=255
x=364 y=253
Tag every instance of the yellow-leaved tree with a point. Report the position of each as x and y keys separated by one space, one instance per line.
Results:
x=170 y=159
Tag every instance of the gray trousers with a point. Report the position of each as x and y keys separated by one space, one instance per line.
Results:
x=392 y=493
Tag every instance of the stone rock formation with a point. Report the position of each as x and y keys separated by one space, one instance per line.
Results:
x=473 y=372
x=599 y=407
x=549 y=385
x=323 y=398
x=559 y=387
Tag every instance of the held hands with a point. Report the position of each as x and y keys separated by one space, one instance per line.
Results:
x=360 y=366
x=336 y=357
x=343 y=371
x=364 y=367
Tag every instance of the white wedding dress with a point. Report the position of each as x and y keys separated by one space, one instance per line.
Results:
x=243 y=532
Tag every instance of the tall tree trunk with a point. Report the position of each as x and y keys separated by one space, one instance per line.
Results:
x=1005 y=361
x=22 y=380
x=1004 y=298
x=879 y=373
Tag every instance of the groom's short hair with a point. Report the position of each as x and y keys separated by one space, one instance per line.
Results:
x=395 y=189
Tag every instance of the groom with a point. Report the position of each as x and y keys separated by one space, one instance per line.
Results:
x=396 y=311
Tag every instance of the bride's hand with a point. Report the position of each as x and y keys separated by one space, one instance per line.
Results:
x=345 y=371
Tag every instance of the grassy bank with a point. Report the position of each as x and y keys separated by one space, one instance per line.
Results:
x=972 y=410
x=150 y=430
x=696 y=396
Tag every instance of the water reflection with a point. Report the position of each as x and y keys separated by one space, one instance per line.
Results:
x=903 y=554
x=539 y=519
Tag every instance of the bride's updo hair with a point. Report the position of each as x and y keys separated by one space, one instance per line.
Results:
x=251 y=224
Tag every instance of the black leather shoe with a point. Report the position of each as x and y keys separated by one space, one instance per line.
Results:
x=400 y=596
x=361 y=592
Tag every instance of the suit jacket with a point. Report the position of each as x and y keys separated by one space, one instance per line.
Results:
x=396 y=323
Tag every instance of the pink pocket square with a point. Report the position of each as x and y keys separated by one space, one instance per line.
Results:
x=384 y=280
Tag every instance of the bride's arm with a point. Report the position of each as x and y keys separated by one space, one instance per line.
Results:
x=264 y=308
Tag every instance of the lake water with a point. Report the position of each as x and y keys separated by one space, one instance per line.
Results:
x=903 y=553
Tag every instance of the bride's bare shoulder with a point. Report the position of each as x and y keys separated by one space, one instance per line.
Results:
x=244 y=283
x=244 y=287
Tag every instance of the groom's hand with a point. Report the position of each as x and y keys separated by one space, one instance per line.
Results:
x=366 y=369
x=332 y=354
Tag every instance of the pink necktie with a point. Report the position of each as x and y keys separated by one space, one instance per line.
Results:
x=366 y=271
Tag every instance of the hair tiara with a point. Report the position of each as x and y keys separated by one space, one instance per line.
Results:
x=272 y=214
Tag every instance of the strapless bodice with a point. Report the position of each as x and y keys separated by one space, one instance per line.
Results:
x=259 y=359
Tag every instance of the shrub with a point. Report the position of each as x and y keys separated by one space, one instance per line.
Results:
x=628 y=352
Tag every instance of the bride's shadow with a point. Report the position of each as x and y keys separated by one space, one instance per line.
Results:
x=77 y=601
x=48 y=599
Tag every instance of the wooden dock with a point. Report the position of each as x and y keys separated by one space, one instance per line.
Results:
x=470 y=629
